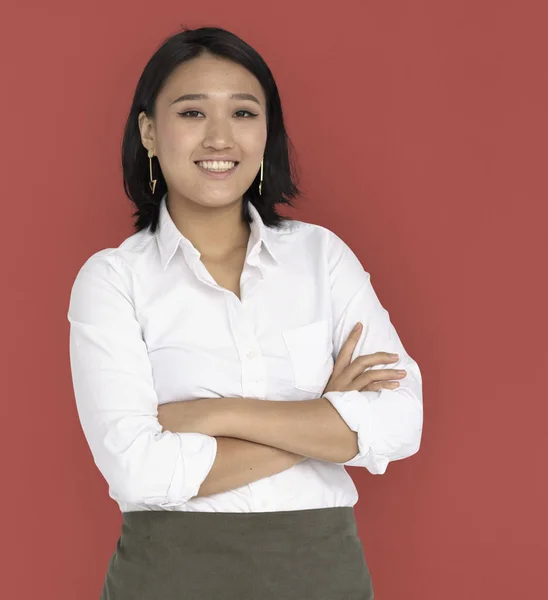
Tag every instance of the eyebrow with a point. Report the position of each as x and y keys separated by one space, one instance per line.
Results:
x=240 y=96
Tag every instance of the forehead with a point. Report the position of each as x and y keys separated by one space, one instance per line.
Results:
x=212 y=75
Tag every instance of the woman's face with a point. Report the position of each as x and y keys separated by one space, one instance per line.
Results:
x=216 y=126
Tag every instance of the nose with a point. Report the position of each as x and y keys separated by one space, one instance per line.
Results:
x=218 y=134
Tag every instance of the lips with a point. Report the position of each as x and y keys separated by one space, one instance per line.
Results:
x=217 y=160
x=218 y=174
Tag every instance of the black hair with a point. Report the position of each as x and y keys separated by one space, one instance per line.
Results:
x=279 y=167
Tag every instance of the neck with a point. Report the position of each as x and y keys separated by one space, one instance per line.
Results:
x=215 y=232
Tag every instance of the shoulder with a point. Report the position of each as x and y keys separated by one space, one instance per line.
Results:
x=316 y=237
x=296 y=230
x=113 y=265
x=124 y=256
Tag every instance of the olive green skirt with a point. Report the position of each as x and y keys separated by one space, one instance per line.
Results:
x=288 y=555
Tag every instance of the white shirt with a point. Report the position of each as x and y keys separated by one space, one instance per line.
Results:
x=149 y=325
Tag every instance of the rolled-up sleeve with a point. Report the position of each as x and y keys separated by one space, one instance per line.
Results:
x=388 y=422
x=115 y=396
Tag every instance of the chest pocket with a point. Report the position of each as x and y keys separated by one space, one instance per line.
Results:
x=310 y=349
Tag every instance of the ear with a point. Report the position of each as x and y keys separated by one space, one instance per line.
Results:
x=146 y=128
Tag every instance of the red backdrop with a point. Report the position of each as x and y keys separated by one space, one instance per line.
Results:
x=421 y=133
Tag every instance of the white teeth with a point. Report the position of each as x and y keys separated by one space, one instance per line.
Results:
x=216 y=165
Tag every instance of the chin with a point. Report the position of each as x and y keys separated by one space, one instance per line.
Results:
x=218 y=202
x=196 y=205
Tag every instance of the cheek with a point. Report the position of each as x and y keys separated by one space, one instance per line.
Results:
x=178 y=142
x=252 y=152
x=252 y=141
x=176 y=151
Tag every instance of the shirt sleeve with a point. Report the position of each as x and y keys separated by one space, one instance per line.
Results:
x=115 y=396
x=388 y=422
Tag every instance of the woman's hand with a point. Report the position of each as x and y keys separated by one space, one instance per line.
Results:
x=189 y=416
x=348 y=375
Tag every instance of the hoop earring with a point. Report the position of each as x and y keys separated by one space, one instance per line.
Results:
x=261 y=182
x=152 y=182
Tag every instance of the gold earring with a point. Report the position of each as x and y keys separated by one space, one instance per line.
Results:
x=152 y=182
x=261 y=182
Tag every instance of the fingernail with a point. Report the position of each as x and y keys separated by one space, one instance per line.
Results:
x=357 y=326
x=394 y=355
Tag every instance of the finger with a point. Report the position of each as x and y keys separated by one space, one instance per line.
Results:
x=345 y=354
x=378 y=376
x=376 y=386
x=365 y=361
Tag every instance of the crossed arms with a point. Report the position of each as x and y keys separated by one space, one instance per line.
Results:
x=259 y=438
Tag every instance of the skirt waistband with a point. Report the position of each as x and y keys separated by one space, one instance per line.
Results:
x=204 y=528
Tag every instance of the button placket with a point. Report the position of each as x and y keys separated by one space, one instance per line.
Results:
x=249 y=352
x=253 y=374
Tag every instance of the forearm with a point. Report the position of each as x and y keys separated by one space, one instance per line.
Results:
x=311 y=428
x=239 y=462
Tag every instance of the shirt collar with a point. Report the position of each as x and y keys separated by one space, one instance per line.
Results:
x=169 y=237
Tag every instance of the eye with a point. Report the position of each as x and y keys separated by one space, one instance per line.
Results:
x=191 y=113
x=248 y=112
x=188 y=112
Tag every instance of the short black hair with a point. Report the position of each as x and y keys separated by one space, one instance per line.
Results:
x=279 y=166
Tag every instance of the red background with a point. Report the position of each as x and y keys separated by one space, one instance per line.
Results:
x=421 y=133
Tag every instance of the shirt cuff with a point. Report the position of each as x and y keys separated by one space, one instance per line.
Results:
x=355 y=409
x=194 y=462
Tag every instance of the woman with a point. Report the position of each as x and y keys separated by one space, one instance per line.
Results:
x=212 y=352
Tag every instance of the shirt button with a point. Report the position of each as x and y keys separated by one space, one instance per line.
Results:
x=250 y=354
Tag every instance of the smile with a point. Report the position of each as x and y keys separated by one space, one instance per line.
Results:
x=217 y=169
